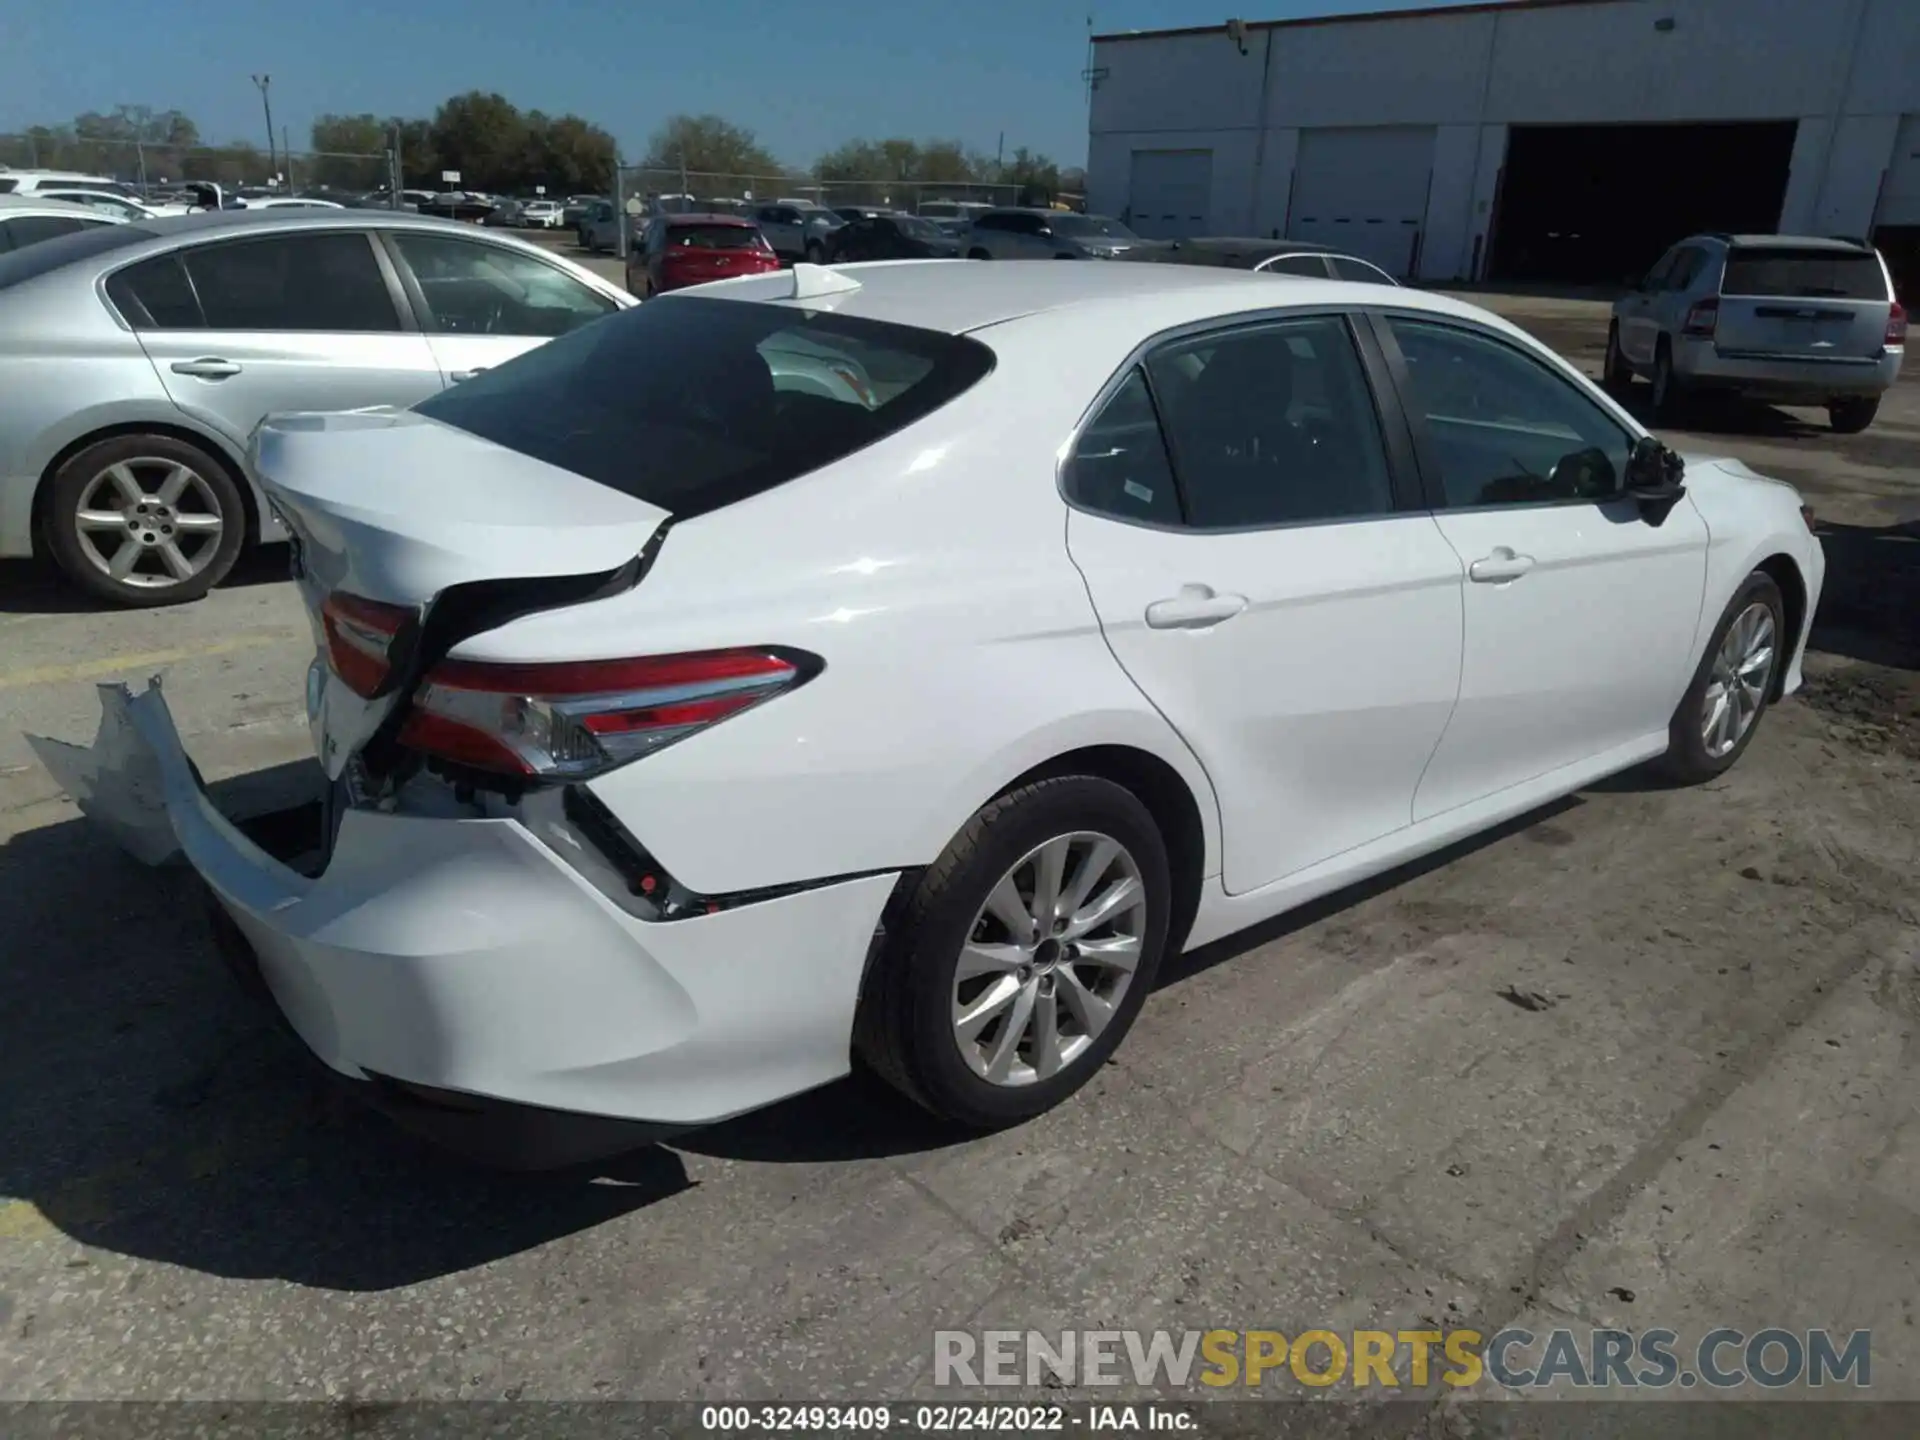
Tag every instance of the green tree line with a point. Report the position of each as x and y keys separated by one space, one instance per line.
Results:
x=497 y=146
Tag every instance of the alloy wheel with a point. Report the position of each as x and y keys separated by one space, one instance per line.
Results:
x=1737 y=685
x=149 y=522
x=1048 y=958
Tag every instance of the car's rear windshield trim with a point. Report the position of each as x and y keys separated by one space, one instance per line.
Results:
x=676 y=404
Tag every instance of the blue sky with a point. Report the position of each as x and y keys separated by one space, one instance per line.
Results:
x=804 y=74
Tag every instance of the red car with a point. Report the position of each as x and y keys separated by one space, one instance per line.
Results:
x=681 y=250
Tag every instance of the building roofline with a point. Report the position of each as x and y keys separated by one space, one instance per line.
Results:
x=1424 y=12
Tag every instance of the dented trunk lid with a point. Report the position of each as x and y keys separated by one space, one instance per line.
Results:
x=398 y=508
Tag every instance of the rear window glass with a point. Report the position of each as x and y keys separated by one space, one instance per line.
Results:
x=693 y=404
x=1811 y=274
x=713 y=237
x=36 y=260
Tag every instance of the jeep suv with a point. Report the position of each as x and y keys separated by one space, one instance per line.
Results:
x=1782 y=318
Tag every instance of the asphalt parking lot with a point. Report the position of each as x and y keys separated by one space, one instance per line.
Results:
x=1644 y=1058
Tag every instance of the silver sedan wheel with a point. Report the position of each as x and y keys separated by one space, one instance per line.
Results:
x=149 y=522
x=1049 y=958
x=1737 y=686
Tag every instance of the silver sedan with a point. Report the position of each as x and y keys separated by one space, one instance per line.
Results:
x=136 y=360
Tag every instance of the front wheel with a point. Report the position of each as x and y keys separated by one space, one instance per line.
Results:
x=1721 y=710
x=1024 y=955
x=145 y=520
x=1850 y=417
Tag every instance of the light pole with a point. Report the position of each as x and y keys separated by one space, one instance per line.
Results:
x=263 y=81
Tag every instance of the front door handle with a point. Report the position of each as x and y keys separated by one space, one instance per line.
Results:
x=1196 y=607
x=460 y=375
x=207 y=367
x=1501 y=565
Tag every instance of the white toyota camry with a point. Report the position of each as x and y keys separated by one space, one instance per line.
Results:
x=899 y=661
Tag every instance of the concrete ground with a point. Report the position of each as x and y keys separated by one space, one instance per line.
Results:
x=1644 y=1058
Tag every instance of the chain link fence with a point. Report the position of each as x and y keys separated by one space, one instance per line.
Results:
x=151 y=167
x=695 y=189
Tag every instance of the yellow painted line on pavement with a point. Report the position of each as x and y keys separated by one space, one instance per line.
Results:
x=118 y=664
x=22 y=1220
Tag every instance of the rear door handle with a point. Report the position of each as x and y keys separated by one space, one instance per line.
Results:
x=460 y=375
x=1501 y=565
x=207 y=367
x=1196 y=607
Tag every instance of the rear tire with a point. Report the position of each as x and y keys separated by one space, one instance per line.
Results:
x=1033 y=1016
x=1850 y=417
x=1667 y=391
x=1615 y=374
x=143 y=520
x=1731 y=682
x=816 y=253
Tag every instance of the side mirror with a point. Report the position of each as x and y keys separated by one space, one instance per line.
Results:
x=1655 y=479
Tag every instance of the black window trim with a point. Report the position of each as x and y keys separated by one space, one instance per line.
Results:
x=1428 y=459
x=387 y=242
x=402 y=309
x=1403 y=472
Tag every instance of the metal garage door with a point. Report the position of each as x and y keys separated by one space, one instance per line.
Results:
x=1171 y=193
x=1900 y=194
x=1363 y=190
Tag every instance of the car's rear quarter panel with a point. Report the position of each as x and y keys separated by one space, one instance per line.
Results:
x=67 y=370
x=930 y=573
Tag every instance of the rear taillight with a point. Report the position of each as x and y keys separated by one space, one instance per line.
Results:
x=577 y=719
x=1897 y=326
x=360 y=638
x=1702 y=318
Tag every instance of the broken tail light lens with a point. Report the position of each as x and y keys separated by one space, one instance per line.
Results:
x=577 y=719
x=361 y=634
x=1702 y=319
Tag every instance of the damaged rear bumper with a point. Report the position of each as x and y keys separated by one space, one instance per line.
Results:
x=462 y=965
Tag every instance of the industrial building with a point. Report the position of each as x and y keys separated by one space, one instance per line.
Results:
x=1532 y=140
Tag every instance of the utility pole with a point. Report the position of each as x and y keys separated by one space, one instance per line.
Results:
x=263 y=81
x=619 y=209
x=684 y=189
x=286 y=157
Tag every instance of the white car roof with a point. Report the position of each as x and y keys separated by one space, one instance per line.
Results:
x=32 y=204
x=29 y=180
x=958 y=296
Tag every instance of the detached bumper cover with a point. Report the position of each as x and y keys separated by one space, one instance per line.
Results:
x=466 y=956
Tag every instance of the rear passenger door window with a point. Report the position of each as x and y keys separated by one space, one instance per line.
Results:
x=1273 y=425
x=1501 y=427
x=323 y=282
x=1119 y=465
